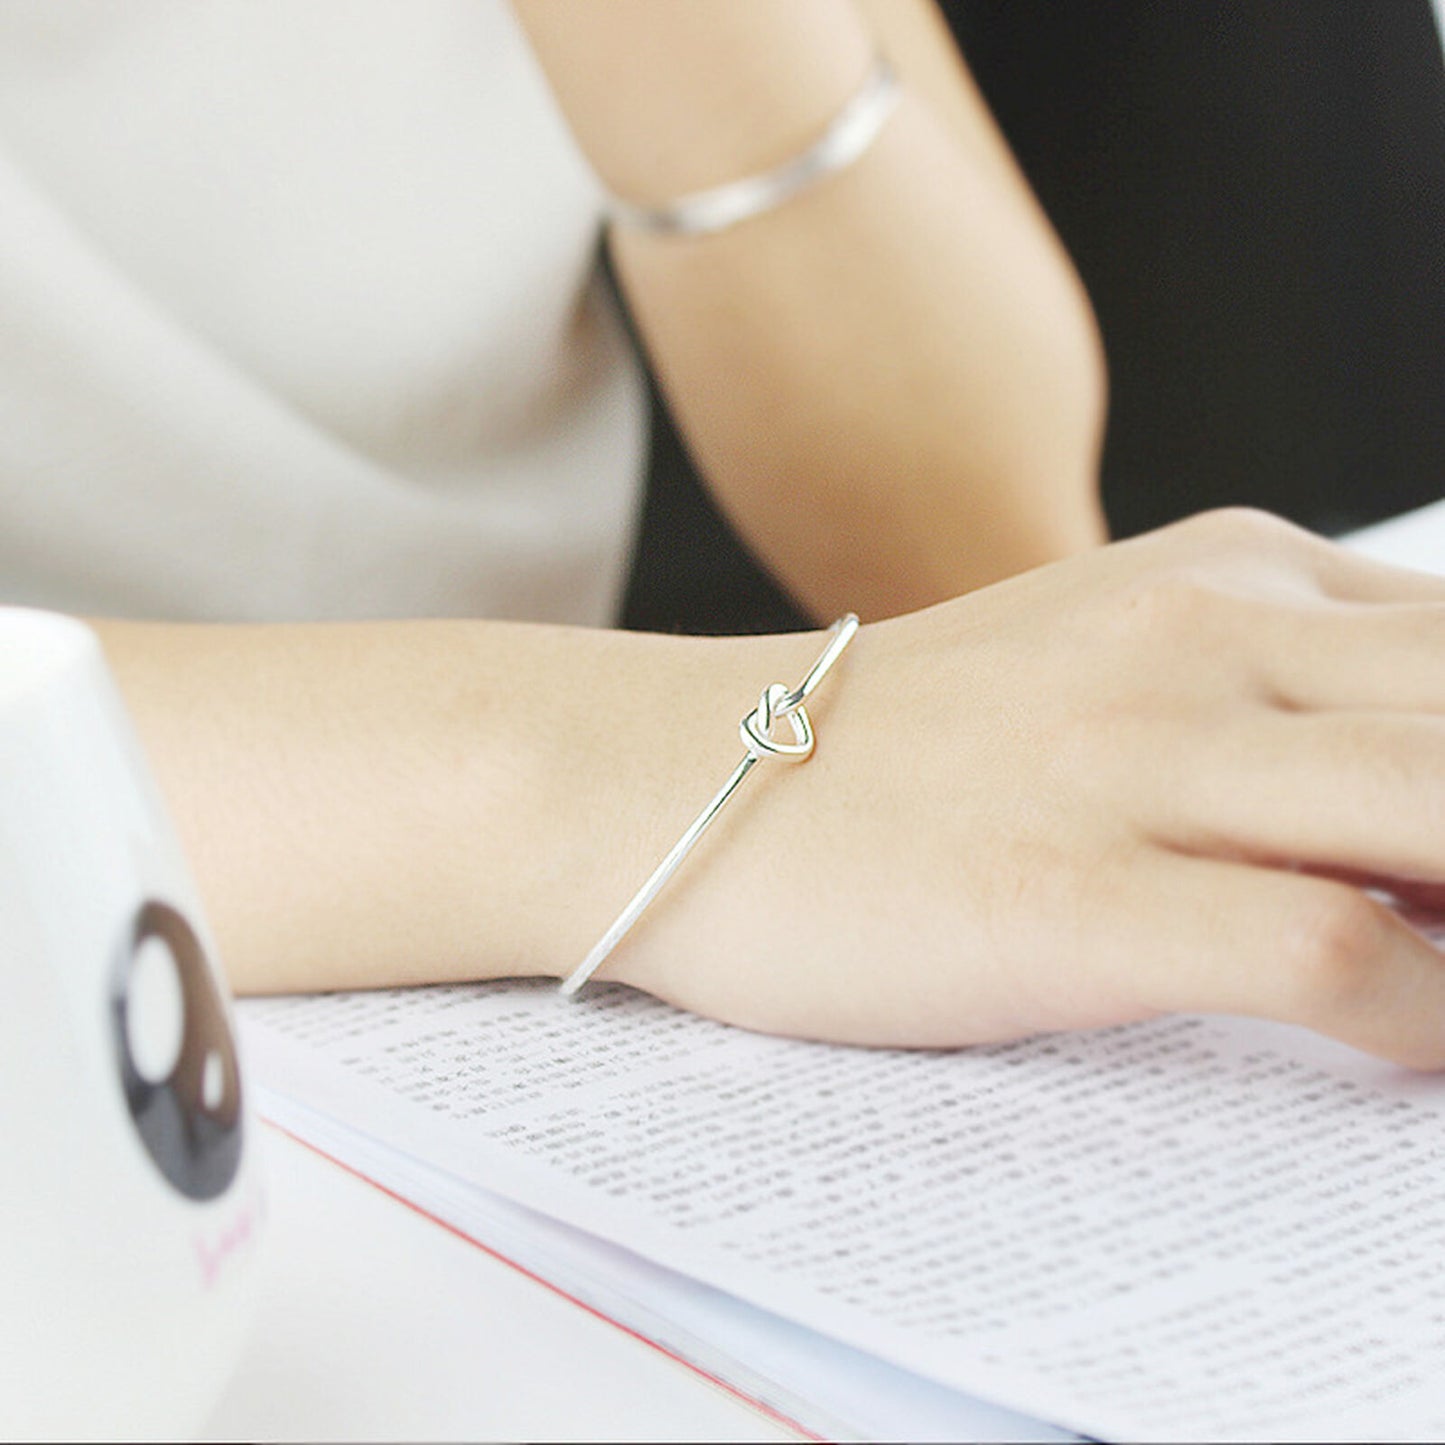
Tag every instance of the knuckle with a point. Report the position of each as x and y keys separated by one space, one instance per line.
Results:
x=1330 y=953
x=1250 y=528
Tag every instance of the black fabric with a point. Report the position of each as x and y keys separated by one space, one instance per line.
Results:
x=1254 y=195
x=690 y=573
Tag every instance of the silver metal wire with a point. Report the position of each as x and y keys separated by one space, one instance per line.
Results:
x=848 y=136
x=775 y=705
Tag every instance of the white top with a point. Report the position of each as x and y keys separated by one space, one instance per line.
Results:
x=299 y=318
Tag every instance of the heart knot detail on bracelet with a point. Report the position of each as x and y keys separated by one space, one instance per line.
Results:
x=777 y=705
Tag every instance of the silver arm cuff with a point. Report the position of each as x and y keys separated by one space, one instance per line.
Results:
x=847 y=137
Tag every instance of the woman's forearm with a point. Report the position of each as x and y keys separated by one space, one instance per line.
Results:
x=1124 y=784
x=893 y=383
x=385 y=803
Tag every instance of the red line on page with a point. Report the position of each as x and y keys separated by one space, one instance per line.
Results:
x=761 y=1406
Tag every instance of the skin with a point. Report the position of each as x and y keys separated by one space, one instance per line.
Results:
x=1152 y=776
x=893 y=384
x=1108 y=788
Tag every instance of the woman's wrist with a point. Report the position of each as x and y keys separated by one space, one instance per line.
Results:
x=780 y=709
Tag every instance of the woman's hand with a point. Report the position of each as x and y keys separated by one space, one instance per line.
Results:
x=1125 y=784
x=1150 y=778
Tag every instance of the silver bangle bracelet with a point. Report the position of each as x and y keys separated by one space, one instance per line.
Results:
x=775 y=705
x=848 y=136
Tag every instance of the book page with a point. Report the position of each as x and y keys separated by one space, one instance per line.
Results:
x=1189 y=1228
x=1193 y=1228
x=830 y=1390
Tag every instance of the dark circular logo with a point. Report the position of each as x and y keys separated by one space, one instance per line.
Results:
x=190 y=1118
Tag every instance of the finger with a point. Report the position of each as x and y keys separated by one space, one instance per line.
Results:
x=1240 y=539
x=1296 y=948
x=1361 y=792
x=1354 y=578
x=1335 y=655
x=1422 y=572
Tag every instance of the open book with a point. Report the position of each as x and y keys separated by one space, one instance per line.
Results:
x=1192 y=1228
